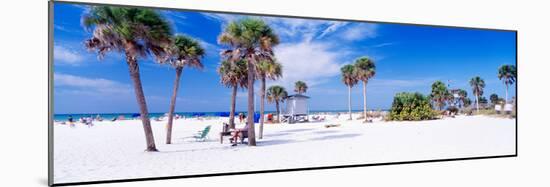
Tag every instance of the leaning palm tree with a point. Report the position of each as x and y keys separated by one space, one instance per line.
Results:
x=251 y=40
x=300 y=87
x=349 y=78
x=276 y=94
x=365 y=70
x=136 y=32
x=507 y=73
x=233 y=75
x=188 y=52
x=266 y=69
x=477 y=84
x=440 y=94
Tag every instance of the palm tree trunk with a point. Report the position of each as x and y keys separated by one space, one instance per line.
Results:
x=250 y=117
x=262 y=107
x=140 y=97
x=365 y=99
x=173 y=106
x=506 y=101
x=232 y=110
x=477 y=103
x=278 y=113
x=349 y=102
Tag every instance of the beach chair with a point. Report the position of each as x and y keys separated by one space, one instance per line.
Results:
x=202 y=135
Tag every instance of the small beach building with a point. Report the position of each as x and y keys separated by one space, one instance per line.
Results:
x=297 y=109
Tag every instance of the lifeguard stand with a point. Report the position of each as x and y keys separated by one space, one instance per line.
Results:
x=296 y=108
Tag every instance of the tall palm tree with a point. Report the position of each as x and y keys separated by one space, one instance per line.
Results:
x=251 y=40
x=276 y=94
x=365 y=70
x=233 y=75
x=440 y=94
x=266 y=69
x=349 y=78
x=477 y=84
x=507 y=73
x=300 y=87
x=184 y=52
x=136 y=32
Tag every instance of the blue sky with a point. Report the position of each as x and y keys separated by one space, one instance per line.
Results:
x=408 y=58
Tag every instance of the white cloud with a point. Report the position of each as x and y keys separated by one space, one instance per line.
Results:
x=310 y=62
x=66 y=56
x=359 y=32
x=93 y=86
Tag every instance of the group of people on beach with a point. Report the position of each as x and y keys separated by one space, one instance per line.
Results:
x=88 y=121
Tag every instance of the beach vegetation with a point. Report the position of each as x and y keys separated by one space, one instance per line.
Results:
x=507 y=73
x=252 y=40
x=477 y=84
x=411 y=107
x=266 y=69
x=233 y=75
x=365 y=69
x=300 y=87
x=135 y=32
x=276 y=94
x=440 y=94
x=349 y=78
x=184 y=52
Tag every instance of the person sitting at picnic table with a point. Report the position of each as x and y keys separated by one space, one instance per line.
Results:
x=239 y=133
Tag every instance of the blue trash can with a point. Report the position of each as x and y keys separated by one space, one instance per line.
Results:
x=256 y=118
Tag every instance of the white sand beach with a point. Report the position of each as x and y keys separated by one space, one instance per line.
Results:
x=113 y=150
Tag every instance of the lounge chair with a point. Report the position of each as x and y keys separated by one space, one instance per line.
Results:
x=202 y=135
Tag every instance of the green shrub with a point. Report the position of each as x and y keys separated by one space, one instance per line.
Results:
x=411 y=106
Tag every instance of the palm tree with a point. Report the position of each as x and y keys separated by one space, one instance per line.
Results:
x=233 y=75
x=251 y=40
x=270 y=70
x=276 y=94
x=494 y=99
x=467 y=102
x=462 y=94
x=477 y=85
x=440 y=94
x=507 y=73
x=185 y=52
x=300 y=87
x=365 y=69
x=136 y=32
x=349 y=79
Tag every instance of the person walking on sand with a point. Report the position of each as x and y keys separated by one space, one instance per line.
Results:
x=71 y=121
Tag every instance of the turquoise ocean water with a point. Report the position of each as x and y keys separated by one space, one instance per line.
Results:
x=109 y=116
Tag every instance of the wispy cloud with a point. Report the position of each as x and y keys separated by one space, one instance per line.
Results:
x=89 y=86
x=63 y=55
x=334 y=26
x=384 y=44
x=359 y=32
